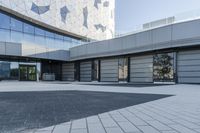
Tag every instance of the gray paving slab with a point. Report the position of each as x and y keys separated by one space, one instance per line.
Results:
x=158 y=125
x=38 y=109
x=79 y=131
x=114 y=130
x=96 y=128
x=177 y=114
x=128 y=127
x=93 y=120
x=148 y=129
x=79 y=124
x=108 y=122
x=62 y=128
x=182 y=129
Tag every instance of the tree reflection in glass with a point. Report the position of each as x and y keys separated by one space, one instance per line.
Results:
x=163 y=67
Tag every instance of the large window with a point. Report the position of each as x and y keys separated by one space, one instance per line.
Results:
x=16 y=36
x=4 y=35
x=164 y=67
x=5 y=21
x=16 y=25
x=9 y=70
x=17 y=31
x=29 y=29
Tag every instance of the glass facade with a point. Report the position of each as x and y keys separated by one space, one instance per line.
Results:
x=17 y=31
x=12 y=70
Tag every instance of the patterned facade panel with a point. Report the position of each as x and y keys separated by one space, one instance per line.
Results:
x=90 y=18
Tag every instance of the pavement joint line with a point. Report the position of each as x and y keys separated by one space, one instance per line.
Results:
x=87 y=125
x=164 y=112
x=158 y=119
x=173 y=121
x=70 y=128
x=53 y=128
x=117 y=123
x=132 y=122
x=177 y=130
x=177 y=123
x=179 y=118
x=102 y=123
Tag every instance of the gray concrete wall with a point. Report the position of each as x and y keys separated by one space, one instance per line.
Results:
x=68 y=71
x=188 y=66
x=109 y=70
x=174 y=35
x=141 y=69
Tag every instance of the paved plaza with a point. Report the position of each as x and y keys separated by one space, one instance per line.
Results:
x=177 y=112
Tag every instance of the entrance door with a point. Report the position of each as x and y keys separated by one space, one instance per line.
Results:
x=123 y=69
x=27 y=73
x=95 y=70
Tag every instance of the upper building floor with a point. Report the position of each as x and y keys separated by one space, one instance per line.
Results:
x=92 y=19
x=173 y=35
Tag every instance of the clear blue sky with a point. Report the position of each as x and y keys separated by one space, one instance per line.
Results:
x=130 y=13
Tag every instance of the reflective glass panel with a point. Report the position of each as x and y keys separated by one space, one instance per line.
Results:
x=28 y=28
x=16 y=37
x=4 y=70
x=50 y=42
x=29 y=38
x=5 y=21
x=49 y=34
x=123 y=69
x=163 y=65
x=16 y=25
x=95 y=70
x=60 y=37
x=4 y=35
x=40 y=40
x=14 y=71
x=39 y=31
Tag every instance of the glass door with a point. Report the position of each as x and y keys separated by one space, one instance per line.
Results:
x=27 y=73
x=95 y=70
x=123 y=69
